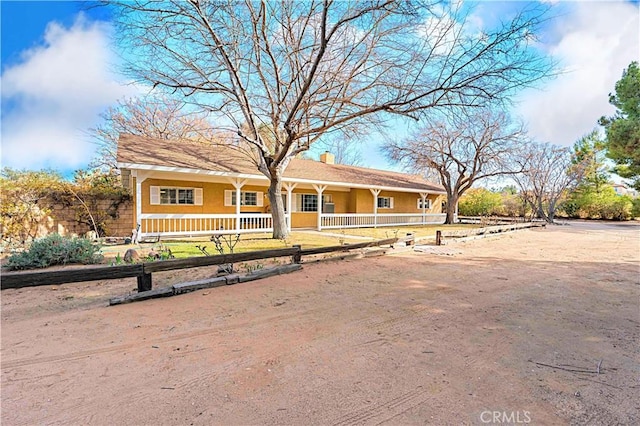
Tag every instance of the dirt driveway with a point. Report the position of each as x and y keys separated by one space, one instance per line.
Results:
x=540 y=326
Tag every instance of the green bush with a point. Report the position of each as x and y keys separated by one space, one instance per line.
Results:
x=601 y=204
x=480 y=202
x=635 y=210
x=618 y=209
x=55 y=250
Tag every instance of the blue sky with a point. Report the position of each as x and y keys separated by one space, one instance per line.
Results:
x=59 y=72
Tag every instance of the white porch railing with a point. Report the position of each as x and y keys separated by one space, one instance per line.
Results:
x=362 y=220
x=203 y=224
x=172 y=225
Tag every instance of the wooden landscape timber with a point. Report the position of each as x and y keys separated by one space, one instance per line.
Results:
x=143 y=271
x=188 y=287
x=498 y=220
x=347 y=247
x=476 y=232
x=33 y=279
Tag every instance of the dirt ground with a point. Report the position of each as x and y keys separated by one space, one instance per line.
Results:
x=537 y=326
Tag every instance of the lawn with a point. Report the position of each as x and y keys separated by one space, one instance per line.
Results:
x=420 y=231
x=184 y=248
x=249 y=242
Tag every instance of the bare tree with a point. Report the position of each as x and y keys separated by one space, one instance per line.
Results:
x=345 y=151
x=549 y=172
x=461 y=150
x=158 y=117
x=308 y=69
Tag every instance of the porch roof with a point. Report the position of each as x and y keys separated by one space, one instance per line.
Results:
x=137 y=152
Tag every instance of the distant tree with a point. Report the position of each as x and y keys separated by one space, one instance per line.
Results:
x=314 y=69
x=548 y=174
x=461 y=149
x=155 y=116
x=593 y=195
x=480 y=202
x=590 y=152
x=95 y=197
x=623 y=128
x=601 y=204
x=28 y=197
x=345 y=151
x=22 y=208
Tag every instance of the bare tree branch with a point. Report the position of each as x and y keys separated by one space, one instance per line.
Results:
x=461 y=150
x=548 y=173
x=299 y=70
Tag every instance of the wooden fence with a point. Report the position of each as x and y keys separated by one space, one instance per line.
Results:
x=143 y=271
x=472 y=232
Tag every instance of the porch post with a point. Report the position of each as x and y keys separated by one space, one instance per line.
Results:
x=140 y=177
x=423 y=195
x=375 y=193
x=289 y=187
x=319 y=189
x=238 y=184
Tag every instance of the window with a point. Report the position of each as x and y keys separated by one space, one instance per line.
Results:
x=309 y=203
x=247 y=198
x=427 y=203
x=385 y=202
x=172 y=195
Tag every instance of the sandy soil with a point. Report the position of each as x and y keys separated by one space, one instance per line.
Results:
x=508 y=329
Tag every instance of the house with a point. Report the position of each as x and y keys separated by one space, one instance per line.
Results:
x=186 y=188
x=621 y=189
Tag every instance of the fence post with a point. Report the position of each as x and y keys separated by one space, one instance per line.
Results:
x=297 y=258
x=438 y=238
x=144 y=282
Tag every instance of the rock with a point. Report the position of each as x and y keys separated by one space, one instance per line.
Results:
x=131 y=256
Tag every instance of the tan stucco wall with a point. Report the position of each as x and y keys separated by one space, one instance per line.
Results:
x=361 y=201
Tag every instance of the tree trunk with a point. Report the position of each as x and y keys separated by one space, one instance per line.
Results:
x=280 y=230
x=452 y=201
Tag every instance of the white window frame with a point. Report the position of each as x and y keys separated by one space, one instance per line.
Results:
x=427 y=201
x=230 y=198
x=307 y=208
x=298 y=202
x=387 y=202
x=155 y=195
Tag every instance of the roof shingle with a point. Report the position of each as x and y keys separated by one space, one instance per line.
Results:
x=139 y=150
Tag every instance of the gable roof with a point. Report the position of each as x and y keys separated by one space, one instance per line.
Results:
x=135 y=152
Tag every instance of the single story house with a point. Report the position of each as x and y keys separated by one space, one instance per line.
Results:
x=186 y=188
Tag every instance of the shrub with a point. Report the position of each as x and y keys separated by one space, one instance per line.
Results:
x=617 y=209
x=598 y=204
x=635 y=210
x=55 y=250
x=480 y=202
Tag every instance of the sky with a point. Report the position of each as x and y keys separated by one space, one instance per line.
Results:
x=59 y=71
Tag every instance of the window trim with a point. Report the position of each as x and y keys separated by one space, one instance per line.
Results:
x=297 y=202
x=155 y=195
x=230 y=198
x=390 y=203
x=427 y=200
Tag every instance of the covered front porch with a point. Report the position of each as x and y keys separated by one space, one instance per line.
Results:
x=239 y=205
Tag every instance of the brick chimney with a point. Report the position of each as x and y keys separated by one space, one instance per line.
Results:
x=327 y=158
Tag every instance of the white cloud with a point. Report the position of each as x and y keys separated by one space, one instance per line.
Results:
x=55 y=93
x=594 y=42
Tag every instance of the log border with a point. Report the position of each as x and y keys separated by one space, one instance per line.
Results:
x=143 y=271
